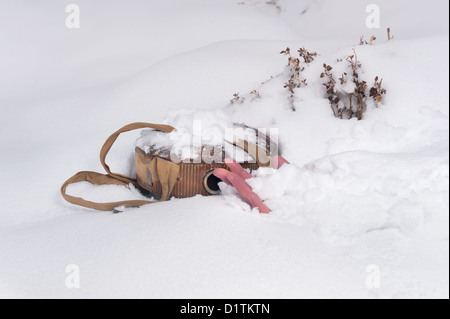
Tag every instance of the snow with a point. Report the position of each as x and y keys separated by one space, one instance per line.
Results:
x=359 y=195
x=195 y=129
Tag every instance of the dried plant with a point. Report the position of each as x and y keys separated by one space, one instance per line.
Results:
x=271 y=4
x=360 y=86
x=377 y=92
x=344 y=101
x=390 y=36
x=349 y=95
x=363 y=42
x=255 y=94
x=330 y=85
x=295 y=69
x=295 y=80
x=275 y=4
x=307 y=56
x=237 y=99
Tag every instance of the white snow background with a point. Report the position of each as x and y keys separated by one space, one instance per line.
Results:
x=359 y=195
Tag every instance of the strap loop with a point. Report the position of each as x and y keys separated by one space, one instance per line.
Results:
x=114 y=178
x=110 y=142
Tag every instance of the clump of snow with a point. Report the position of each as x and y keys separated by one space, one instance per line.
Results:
x=348 y=195
x=195 y=129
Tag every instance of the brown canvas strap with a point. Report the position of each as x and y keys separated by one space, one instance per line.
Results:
x=118 y=179
x=110 y=142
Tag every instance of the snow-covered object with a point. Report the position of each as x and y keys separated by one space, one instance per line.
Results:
x=191 y=142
